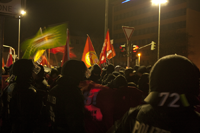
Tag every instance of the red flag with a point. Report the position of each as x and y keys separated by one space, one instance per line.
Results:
x=9 y=59
x=66 y=52
x=111 y=53
x=89 y=56
x=58 y=49
x=110 y=49
x=107 y=50
x=62 y=50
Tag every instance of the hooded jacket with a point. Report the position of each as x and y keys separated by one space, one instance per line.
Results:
x=65 y=101
x=22 y=101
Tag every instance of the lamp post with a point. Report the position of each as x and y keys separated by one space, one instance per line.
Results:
x=159 y=2
x=21 y=14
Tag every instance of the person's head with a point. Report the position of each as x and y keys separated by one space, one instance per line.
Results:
x=129 y=72
x=74 y=70
x=143 y=83
x=96 y=70
x=110 y=68
x=120 y=82
x=25 y=69
x=135 y=68
x=117 y=68
x=40 y=75
x=141 y=70
x=174 y=76
x=149 y=68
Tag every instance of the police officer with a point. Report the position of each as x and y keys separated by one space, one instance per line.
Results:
x=65 y=100
x=174 y=87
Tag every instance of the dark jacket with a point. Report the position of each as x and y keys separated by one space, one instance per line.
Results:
x=66 y=107
x=149 y=119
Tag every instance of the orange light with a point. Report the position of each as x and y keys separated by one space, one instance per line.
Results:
x=139 y=54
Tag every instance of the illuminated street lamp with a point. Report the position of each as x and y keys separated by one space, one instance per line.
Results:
x=139 y=54
x=22 y=12
x=159 y=2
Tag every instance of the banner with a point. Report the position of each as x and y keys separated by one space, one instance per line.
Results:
x=50 y=38
x=107 y=50
x=89 y=56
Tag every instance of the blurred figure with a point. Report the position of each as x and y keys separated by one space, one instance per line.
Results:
x=125 y=97
x=117 y=68
x=103 y=73
x=174 y=87
x=129 y=75
x=65 y=100
x=149 y=68
x=135 y=72
x=109 y=70
x=21 y=103
x=120 y=82
x=95 y=73
x=53 y=77
x=143 y=84
x=42 y=87
x=39 y=81
x=141 y=70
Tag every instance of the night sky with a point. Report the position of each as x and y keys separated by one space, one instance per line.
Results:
x=84 y=17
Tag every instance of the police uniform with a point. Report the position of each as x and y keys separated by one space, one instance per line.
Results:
x=174 y=86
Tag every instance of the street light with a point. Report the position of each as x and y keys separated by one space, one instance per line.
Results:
x=22 y=12
x=159 y=2
x=139 y=54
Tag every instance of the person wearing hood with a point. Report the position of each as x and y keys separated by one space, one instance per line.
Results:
x=109 y=71
x=95 y=73
x=143 y=84
x=65 y=101
x=22 y=105
x=129 y=75
x=169 y=108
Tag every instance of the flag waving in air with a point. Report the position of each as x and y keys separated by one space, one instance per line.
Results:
x=89 y=56
x=52 y=37
x=107 y=49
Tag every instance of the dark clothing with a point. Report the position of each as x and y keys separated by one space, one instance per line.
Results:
x=174 y=86
x=150 y=119
x=22 y=108
x=66 y=107
x=95 y=79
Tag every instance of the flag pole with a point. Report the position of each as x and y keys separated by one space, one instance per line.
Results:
x=112 y=52
x=49 y=57
x=56 y=59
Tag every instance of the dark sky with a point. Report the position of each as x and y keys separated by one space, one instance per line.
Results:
x=84 y=17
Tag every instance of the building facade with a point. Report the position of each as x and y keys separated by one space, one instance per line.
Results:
x=179 y=29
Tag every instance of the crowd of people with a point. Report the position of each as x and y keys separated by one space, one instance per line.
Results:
x=76 y=99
